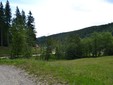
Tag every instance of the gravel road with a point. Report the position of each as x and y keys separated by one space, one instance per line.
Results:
x=10 y=75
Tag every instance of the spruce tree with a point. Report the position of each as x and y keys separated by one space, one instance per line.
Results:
x=1 y=23
x=23 y=17
x=31 y=30
x=19 y=45
x=7 y=22
x=18 y=36
x=15 y=41
x=27 y=49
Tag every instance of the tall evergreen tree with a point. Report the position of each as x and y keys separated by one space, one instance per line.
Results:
x=20 y=47
x=16 y=40
x=18 y=36
x=27 y=51
x=7 y=22
x=31 y=30
x=1 y=23
x=23 y=18
x=18 y=16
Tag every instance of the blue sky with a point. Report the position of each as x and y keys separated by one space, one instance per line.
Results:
x=55 y=16
x=110 y=1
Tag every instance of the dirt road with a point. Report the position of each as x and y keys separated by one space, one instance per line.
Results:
x=10 y=75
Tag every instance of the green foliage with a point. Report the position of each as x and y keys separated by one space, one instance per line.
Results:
x=82 y=33
x=27 y=51
x=107 y=42
x=48 y=49
x=96 y=45
x=74 y=49
x=94 y=41
x=20 y=46
x=18 y=41
x=31 y=30
x=58 y=49
x=87 y=47
x=19 y=32
x=17 y=37
x=59 y=53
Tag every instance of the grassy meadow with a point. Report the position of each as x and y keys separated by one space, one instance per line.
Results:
x=87 y=71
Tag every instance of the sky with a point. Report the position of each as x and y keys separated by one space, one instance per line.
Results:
x=56 y=16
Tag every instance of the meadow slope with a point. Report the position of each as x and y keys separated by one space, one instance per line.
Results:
x=87 y=71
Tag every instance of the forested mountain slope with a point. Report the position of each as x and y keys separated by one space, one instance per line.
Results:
x=85 y=32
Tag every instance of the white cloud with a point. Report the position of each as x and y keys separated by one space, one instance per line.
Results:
x=66 y=15
x=55 y=16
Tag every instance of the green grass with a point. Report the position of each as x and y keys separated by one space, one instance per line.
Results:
x=88 y=71
x=4 y=51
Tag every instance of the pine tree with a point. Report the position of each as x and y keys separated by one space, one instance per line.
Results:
x=1 y=23
x=23 y=18
x=20 y=47
x=7 y=22
x=31 y=30
x=18 y=36
x=27 y=51
x=15 y=50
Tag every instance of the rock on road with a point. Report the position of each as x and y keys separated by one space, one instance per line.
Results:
x=10 y=75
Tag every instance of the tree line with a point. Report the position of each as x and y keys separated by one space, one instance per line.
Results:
x=85 y=32
x=96 y=45
x=17 y=32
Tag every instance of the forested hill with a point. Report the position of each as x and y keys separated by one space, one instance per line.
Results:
x=85 y=32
